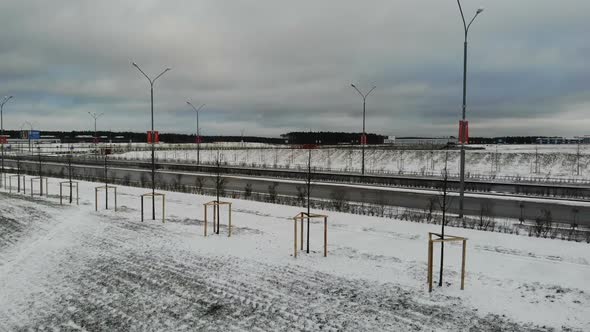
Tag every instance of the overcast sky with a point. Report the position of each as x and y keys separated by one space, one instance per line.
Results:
x=272 y=66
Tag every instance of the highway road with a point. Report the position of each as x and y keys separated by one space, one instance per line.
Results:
x=500 y=205
x=516 y=187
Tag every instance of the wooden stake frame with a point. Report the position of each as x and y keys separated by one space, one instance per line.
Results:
x=74 y=183
x=10 y=177
x=96 y=189
x=46 y=186
x=153 y=196
x=216 y=217
x=301 y=217
x=440 y=239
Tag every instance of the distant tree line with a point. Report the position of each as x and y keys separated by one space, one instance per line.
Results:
x=303 y=137
x=127 y=136
x=324 y=137
x=505 y=140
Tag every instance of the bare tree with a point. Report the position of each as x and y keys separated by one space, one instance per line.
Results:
x=578 y=155
x=70 y=174
x=544 y=223
x=537 y=167
x=272 y=192
x=301 y=195
x=18 y=171
x=430 y=208
x=199 y=183
x=308 y=183
x=486 y=217
x=248 y=190
x=432 y=157
x=444 y=203
x=219 y=182
x=40 y=171
x=339 y=200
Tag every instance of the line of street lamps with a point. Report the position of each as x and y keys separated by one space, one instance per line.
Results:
x=363 y=142
x=463 y=123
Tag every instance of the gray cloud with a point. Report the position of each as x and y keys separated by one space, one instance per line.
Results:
x=270 y=66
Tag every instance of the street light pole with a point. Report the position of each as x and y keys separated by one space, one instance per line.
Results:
x=363 y=139
x=4 y=101
x=152 y=81
x=198 y=132
x=462 y=168
x=95 y=116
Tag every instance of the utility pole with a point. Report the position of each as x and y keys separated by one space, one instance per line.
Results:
x=364 y=137
x=463 y=123
x=152 y=81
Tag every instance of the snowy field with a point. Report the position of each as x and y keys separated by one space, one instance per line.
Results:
x=542 y=161
x=562 y=161
x=71 y=268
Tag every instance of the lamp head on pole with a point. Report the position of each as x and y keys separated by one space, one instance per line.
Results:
x=5 y=100
x=479 y=11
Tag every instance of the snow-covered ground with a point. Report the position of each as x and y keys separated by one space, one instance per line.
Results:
x=71 y=268
x=562 y=161
x=542 y=161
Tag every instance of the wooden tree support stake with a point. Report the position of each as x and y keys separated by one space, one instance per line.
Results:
x=153 y=196
x=97 y=189
x=74 y=184
x=18 y=179
x=216 y=216
x=304 y=216
x=440 y=239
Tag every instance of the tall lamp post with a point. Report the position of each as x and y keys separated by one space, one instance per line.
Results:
x=95 y=117
x=152 y=81
x=363 y=139
x=462 y=142
x=198 y=131
x=4 y=101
